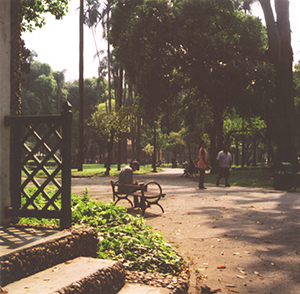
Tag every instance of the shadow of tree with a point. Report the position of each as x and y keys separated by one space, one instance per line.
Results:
x=269 y=224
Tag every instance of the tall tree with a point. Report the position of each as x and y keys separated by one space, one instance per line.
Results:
x=42 y=89
x=207 y=46
x=280 y=54
x=81 y=88
x=93 y=17
x=222 y=48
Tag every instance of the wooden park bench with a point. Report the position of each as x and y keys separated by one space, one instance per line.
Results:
x=142 y=194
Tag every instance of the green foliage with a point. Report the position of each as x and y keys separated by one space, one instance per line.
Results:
x=40 y=201
x=40 y=90
x=191 y=61
x=236 y=126
x=147 y=137
x=141 y=33
x=122 y=236
x=45 y=90
x=149 y=149
x=118 y=121
x=33 y=10
x=175 y=142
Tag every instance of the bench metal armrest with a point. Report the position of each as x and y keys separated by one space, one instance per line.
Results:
x=154 y=183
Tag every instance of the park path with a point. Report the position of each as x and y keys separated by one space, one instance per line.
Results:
x=238 y=240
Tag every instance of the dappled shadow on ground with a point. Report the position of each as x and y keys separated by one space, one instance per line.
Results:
x=267 y=226
x=15 y=237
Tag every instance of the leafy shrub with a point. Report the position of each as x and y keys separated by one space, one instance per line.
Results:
x=125 y=237
x=122 y=237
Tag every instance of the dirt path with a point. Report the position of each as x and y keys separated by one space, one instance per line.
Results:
x=239 y=240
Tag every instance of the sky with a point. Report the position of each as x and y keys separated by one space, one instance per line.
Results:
x=57 y=43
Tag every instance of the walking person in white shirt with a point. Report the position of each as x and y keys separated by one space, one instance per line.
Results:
x=224 y=159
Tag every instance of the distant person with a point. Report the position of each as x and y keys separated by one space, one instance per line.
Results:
x=126 y=177
x=224 y=159
x=189 y=170
x=202 y=164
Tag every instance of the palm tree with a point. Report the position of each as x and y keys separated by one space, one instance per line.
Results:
x=81 y=89
x=93 y=16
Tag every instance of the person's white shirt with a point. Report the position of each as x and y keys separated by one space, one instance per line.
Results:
x=224 y=159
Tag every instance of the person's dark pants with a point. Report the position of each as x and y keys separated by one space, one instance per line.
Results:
x=223 y=172
x=201 y=177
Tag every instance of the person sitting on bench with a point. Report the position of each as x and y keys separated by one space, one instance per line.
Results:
x=190 y=169
x=126 y=177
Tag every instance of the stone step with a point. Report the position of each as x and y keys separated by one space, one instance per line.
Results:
x=80 y=275
x=45 y=252
x=143 y=289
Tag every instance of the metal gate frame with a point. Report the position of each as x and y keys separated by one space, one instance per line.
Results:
x=22 y=128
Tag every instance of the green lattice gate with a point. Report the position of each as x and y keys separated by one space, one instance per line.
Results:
x=41 y=162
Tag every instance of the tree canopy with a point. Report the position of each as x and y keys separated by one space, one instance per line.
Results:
x=169 y=48
x=33 y=11
x=198 y=69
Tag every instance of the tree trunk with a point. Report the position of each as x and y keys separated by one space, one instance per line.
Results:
x=216 y=137
x=189 y=151
x=108 y=59
x=254 y=152
x=284 y=86
x=271 y=30
x=154 y=151
x=213 y=150
x=243 y=152
x=109 y=152
x=133 y=137
x=120 y=94
x=281 y=55
x=81 y=90
x=236 y=152
x=138 y=139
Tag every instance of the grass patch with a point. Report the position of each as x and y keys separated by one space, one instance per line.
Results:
x=122 y=237
x=98 y=170
x=252 y=177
